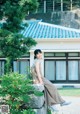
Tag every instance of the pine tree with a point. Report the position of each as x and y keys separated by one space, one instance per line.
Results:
x=12 y=43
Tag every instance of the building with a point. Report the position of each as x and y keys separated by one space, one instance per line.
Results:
x=61 y=52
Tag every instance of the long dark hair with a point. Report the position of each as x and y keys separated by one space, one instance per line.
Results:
x=36 y=52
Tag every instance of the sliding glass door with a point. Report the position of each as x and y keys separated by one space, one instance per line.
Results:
x=60 y=70
x=50 y=70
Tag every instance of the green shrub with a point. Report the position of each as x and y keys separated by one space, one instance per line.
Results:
x=49 y=111
x=15 y=90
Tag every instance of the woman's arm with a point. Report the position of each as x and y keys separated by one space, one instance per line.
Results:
x=38 y=72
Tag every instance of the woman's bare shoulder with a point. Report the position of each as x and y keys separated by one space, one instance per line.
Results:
x=37 y=61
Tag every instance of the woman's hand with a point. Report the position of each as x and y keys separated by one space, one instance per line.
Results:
x=38 y=82
x=41 y=82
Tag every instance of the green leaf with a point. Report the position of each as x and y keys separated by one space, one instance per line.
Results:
x=38 y=93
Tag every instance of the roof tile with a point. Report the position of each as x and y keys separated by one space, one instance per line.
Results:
x=38 y=29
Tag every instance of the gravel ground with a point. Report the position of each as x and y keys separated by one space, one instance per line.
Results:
x=73 y=108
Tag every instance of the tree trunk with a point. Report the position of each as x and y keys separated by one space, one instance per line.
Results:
x=9 y=65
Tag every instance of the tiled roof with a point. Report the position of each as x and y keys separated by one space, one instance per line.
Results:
x=38 y=29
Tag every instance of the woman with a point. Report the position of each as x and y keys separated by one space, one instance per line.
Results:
x=52 y=95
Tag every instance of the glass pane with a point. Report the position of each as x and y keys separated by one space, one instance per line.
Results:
x=73 y=70
x=50 y=70
x=49 y=54
x=60 y=54
x=73 y=54
x=60 y=70
x=24 y=66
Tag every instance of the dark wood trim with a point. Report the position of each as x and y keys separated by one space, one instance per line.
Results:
x=55 y=71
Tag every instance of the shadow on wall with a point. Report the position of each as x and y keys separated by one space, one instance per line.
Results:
x=66 y=18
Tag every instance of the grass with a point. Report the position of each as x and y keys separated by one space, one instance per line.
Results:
x=69 y=92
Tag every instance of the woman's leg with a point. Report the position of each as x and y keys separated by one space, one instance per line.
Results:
x=52 y=95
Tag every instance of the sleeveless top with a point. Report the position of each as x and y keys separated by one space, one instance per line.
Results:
x=33 y=70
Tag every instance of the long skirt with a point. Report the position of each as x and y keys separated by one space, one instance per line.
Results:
x=52 y=95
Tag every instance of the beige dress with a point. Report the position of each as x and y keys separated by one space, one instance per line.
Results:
x=52 y=95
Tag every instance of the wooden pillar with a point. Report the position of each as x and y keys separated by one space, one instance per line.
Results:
x=61 y=5
x=44 y=6
x=71 y=4
x=53 y=5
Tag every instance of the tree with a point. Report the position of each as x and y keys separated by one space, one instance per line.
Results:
x=12 y=43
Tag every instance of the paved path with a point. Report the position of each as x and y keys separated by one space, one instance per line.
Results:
x=73 y=108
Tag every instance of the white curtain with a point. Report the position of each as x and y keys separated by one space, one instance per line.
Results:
x=21 y=66
x=73 y=70
x=50 y=70
x=60 y=70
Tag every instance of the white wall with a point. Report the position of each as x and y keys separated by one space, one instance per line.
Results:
x=59 y=45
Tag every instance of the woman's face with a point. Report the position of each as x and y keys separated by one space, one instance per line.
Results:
x=39 y=56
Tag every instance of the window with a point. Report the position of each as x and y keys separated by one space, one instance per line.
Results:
x=55 y=70
x=21 y=66
x=62 y=66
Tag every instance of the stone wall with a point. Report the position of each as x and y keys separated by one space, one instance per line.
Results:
x=65 y=18
x=68 y=18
